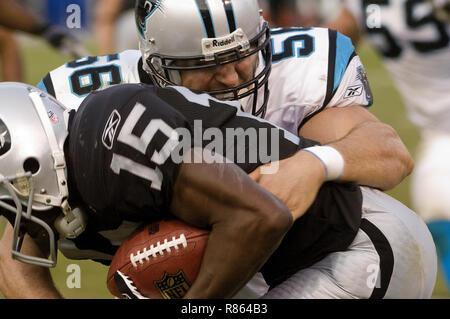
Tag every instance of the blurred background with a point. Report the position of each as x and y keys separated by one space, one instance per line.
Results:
x=107 y=26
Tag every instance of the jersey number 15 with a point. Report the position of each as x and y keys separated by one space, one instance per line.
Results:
x=141 y=143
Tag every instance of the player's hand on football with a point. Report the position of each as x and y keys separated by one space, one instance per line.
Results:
x=63 y=40
x=296 y=181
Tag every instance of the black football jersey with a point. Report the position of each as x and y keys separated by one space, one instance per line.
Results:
x=122 y=141
x=121 y=168
x=114 y=139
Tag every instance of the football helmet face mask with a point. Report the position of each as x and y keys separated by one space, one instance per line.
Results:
x=32 y=165
x=177 y=36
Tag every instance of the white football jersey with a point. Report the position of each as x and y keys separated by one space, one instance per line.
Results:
x=416 y=51
x=312 y=69
x=73 y=81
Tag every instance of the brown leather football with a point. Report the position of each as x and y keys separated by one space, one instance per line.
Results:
x=158 y=260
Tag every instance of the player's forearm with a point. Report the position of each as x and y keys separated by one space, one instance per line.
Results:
x=374 y=156
x=15 y=16
x=10 y=57
x=104 y=36
x=106 y=12
x=236 y=251
x=23 y=281
x=247 y=223
x=373 y=152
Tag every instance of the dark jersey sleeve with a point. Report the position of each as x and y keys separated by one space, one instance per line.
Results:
x=119 y=143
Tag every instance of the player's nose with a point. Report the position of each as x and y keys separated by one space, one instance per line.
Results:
x=227 y=75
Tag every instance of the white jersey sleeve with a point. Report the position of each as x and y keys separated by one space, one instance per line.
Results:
x=415 y=47
x=73 y=81
x=313 y=69
x=354 y=87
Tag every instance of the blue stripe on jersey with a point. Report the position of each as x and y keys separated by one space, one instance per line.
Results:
x=344 y=50
x=440 y=230
x=42 y=86
x=46 y=85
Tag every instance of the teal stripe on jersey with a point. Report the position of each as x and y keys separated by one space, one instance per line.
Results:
x=41 y=86
x=344 y=50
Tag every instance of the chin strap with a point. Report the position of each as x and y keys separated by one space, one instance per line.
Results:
x=72 y=223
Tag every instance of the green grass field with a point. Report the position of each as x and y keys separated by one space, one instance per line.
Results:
x=388 y=107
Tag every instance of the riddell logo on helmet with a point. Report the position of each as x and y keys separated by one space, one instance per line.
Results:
x=221 y=43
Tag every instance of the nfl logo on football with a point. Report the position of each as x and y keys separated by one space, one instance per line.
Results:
x=173 y=286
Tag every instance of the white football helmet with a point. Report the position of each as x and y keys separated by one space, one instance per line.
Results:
x=177 y=35
x=33 y=179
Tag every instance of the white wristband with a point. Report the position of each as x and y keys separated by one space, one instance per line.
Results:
x=330 y=158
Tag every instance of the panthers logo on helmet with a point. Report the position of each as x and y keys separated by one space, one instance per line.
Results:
x=144 y=9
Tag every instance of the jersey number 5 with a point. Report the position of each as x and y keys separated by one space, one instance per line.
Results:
x=304 y=43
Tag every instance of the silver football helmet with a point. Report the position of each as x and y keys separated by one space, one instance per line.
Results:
x=179 y=35
x=33 y=128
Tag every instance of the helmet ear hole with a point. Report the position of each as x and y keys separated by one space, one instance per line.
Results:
x=31 y=165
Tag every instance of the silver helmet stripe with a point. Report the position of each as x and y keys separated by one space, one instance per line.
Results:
x=57 y=153
x=73 y=223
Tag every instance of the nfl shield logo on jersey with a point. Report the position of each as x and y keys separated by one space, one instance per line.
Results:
x=52 y=116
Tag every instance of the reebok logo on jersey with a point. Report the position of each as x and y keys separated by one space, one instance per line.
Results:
x=110 y=129
x=353 y=91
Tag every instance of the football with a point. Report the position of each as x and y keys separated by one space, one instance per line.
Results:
x=158 y=261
